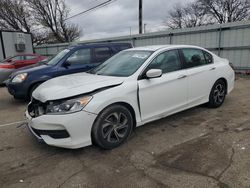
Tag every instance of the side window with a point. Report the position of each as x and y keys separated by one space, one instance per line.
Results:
x=193 y=57
x=168 y=62
x=102 y=53
x=208 y=57
x=29 y=57
x=17 y=58
x=82 y=56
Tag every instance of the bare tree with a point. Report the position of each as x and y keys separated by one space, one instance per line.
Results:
x=175 y=17
x=188 y=16
x=195 y=16
x=52 y=15
x=203 y=12
x=223 y=11
x=15 y=16
x=44 y=19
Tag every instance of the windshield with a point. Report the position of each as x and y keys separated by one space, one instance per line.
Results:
x=58 y=57
x=123 y=64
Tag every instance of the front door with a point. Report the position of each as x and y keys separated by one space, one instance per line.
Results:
x=167 y=94
x=30 y=60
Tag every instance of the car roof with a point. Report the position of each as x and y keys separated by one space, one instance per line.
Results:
x=165 y=47
x=99 y=45
x=26 y=55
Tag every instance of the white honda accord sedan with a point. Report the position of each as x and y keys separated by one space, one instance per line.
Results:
x=134 y=87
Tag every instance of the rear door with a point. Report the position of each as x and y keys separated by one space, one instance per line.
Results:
x=201 y=74
x=166 y=94
x=101 y=54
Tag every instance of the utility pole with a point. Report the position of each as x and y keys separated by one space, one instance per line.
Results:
x=140 y=16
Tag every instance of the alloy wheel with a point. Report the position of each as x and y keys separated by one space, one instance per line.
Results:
x=115 y=127
x=219 y=93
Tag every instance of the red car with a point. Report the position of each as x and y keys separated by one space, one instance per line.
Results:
x=9 y=65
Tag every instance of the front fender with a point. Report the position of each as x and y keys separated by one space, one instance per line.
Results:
x=125 y=93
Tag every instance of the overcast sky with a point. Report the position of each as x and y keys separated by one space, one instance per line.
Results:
x=117 y=18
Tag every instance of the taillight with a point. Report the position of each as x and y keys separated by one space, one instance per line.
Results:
x=7 y=66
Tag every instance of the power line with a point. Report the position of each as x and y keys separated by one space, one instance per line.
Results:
x=84 y=12
x=92 y=8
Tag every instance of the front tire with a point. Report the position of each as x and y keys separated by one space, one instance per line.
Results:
x=217 y=94
x=112 y=127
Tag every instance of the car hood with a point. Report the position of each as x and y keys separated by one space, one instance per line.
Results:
x=6 y=63
x=31 y=69
x=72 y=85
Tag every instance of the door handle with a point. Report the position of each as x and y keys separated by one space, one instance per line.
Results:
x=182 y=76
x=212 y=68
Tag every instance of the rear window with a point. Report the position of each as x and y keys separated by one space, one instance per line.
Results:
x=208 y=57
x=102 y=53
x=193 y=57
x=16 y=58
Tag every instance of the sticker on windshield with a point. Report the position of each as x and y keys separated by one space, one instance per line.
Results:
x=140 y=56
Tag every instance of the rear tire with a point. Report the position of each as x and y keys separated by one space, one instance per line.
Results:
x=217 y=94
x=112 y=127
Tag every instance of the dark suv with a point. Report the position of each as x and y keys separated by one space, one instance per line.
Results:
x=74 y=59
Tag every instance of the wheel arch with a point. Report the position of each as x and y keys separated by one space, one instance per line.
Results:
x=225 y=81
x=131 y=109
x=33 y=84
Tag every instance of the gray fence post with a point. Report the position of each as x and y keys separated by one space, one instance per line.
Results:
x=171 y=38
x=219 y=44
x=133 y=42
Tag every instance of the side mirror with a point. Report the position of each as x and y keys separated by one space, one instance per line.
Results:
x=66 y=64
x=154 y=73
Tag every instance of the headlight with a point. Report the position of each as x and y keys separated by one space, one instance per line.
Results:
x=69 y=106
x=19 y=78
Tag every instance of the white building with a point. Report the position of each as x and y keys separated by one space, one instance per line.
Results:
x=12 y=43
